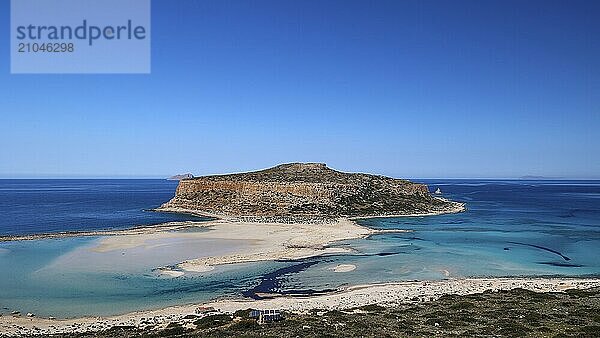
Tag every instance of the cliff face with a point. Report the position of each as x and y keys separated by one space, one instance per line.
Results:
x=310 y=190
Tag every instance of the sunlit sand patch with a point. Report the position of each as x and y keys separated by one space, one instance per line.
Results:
x=343 y=268
x=198 y=268
x=171 y=273
x=139 y=253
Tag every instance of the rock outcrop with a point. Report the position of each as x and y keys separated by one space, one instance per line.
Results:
x=306 y=191
x=180 y=177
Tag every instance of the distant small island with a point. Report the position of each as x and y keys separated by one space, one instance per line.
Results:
x=180 y=177
x=305 y=191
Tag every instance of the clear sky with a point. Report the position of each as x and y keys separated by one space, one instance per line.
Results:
x=424 y=89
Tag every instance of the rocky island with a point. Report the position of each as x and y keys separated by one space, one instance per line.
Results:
x=304 y=191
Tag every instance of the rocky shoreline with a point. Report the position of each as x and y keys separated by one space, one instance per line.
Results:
x=450 y=207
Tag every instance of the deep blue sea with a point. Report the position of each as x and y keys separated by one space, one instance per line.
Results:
x=51 y=205
x=511 y=228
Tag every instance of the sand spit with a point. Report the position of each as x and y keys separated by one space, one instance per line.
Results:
x=265 y=241
x=149 y=229
x=271 y=241
x=262 y=241
x=355 y=296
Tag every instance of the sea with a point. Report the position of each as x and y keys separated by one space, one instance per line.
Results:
x=32 y=206
x=510 y=228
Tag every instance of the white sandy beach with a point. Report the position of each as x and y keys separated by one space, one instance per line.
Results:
x=351 y=297
x=265 y=241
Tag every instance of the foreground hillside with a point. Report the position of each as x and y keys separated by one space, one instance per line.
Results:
x=308 y=190
x=516 y=313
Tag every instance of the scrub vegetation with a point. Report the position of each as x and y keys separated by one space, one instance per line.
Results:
x=515 y=313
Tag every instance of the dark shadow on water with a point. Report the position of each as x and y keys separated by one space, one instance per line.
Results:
x=542 y=248
x=568 y=265
x=271 y=283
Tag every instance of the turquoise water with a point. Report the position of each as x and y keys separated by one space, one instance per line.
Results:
x=62 y=278
x=511 y=228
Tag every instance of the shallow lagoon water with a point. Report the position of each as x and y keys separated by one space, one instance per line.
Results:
x=511 y=228
x=66 y=278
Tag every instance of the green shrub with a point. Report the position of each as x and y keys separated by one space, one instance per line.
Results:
x=212 y=321
x=464 y=305
x=244 y=324
x=173 y=329
x=372 y=308
x=242 y=313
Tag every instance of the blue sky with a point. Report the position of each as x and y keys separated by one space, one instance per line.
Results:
x=443 y=89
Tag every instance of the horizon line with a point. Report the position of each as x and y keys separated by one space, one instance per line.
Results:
x=166 y=177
